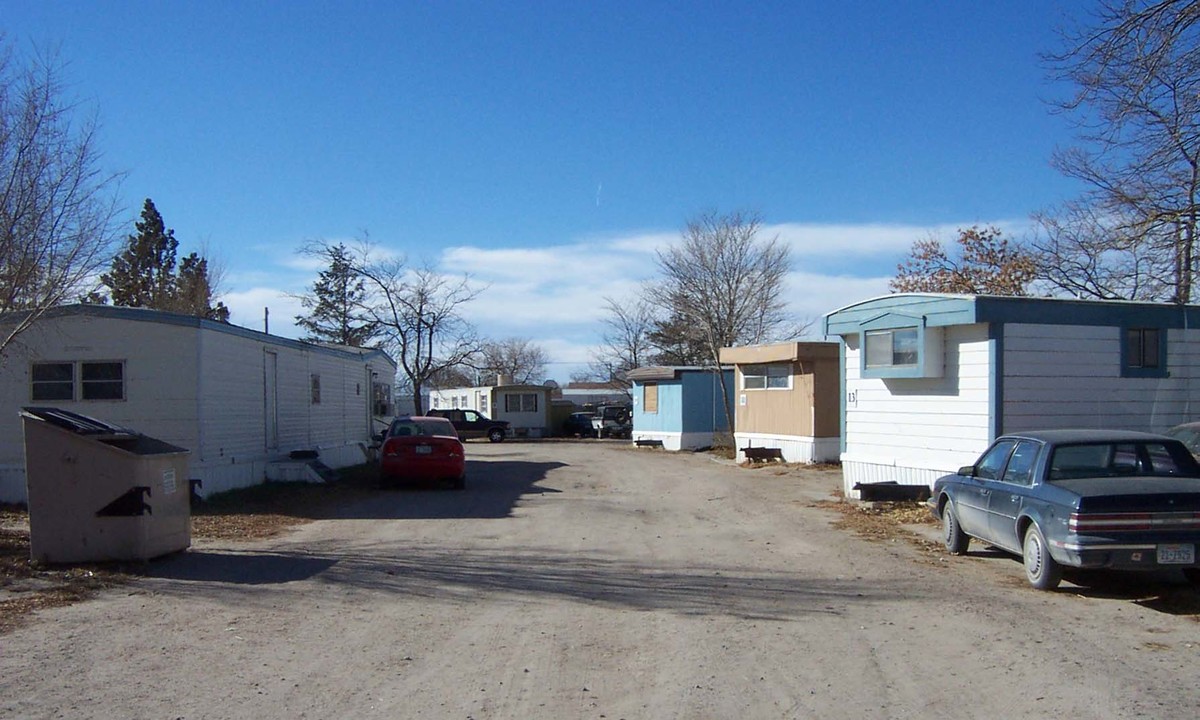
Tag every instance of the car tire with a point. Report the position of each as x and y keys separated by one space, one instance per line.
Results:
x=953 y=536
x=1042 y=571
x=495 y=435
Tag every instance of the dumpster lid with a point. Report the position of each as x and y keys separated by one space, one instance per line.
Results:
x=121 y=438
x=76 y=423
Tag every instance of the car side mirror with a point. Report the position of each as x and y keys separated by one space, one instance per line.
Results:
x=967 y=471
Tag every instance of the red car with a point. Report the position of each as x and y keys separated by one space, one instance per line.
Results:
x=422 y=449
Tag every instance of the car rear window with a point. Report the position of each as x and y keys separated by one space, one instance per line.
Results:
x=1121 y=459
x=427 y=427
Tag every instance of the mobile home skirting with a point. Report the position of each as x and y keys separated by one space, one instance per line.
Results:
x=677 y=440
x=796 y=449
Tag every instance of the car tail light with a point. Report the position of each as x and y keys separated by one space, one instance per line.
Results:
x=1127 y=522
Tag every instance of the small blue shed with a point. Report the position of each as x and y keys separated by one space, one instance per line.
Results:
x=683 y=407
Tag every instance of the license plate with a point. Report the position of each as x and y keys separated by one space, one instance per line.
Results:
x=1183 y=554
x=427 y=450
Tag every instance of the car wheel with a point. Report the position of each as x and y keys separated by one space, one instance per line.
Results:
x=496 y=435
x=955 y=539
x=1042 y=571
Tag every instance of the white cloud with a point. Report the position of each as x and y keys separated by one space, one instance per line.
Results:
x=246 y=308
x=555 y=295
x=809 y=240
x=811 y=295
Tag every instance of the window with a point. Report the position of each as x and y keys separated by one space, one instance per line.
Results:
x=1020 y=465
x=520 y=402
x=650 y=398
x=992 y=463
x=892 y=348
x=767 y=377
x=53 y=381
x=483 y=402
x=1144 y=353
x=102 y=380
x=1120 y=459
x=316 y=389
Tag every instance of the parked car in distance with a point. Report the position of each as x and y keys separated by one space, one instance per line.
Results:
x=1077 y=498
x=1189 y=435
x=420 y=449
x=612 y=421
x=580 y=424
x=472 y=424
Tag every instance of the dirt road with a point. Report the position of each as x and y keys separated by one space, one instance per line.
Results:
x=589 y=580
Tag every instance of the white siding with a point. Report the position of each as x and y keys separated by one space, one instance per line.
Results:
x=795 y=448
x=1067 y=376
x=910 y=430
x=160 y=394
x=234 y=450
x=677 y=440
x=199 y=388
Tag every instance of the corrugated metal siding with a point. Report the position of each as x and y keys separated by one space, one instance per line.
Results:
x=777 y=411
x=668 y=418
x=702 y=410
x=1070 y=376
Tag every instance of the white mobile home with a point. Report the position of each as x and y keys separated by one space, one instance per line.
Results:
x=929 y=380
x=525 y=407
x=238 y=399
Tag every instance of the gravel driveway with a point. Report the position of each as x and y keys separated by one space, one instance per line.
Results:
x=591 y=580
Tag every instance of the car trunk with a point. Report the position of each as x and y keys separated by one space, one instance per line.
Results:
x=1135 y=494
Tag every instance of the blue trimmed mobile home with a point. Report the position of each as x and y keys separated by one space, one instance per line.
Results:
x=929 y=380
x=683 y=407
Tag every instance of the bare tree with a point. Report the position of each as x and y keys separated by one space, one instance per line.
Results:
x=1089 y=255
x=57 y=207
x=518 y=358
x=1136 y=108
x=984 y=263
x=625 y=342
x=417 y=311
x=724 y=285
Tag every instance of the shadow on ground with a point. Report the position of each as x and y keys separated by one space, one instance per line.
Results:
x=531 y=577
x=493 y=489
x=241 y=568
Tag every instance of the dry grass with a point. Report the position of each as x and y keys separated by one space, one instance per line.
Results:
x=886 y=521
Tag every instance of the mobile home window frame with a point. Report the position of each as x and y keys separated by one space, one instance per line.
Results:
x=48 y=387
x=767 y=376
x=1144 y=352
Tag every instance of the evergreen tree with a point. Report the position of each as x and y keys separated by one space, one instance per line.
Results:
x=335 y=301
x=144 y=273
x=193 y=290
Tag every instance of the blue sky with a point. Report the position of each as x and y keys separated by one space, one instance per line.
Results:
x=549 y=148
